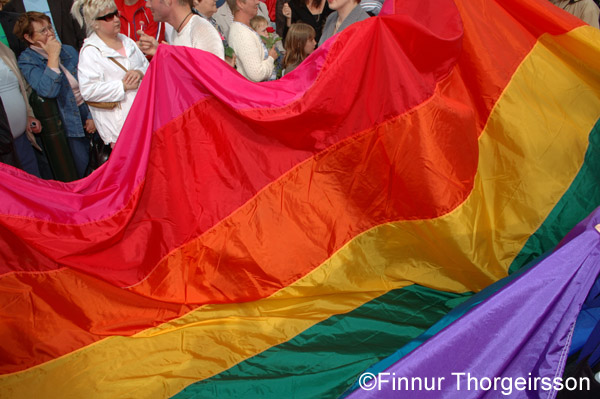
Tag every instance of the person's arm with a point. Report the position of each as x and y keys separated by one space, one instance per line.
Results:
x=287 y=13
x=138 y=61
x=45 y=81
x=147 y=44
x=52 y=47
x=249 y=54
x=280 y=19
x=296 y=15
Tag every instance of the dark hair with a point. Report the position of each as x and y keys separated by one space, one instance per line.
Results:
x=314 y=3
x=295 y=41
x=24 y=25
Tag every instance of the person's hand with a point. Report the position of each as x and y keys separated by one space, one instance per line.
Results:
x=273 y=53
x=52 y=47
x=90 y=126
x=147 y=43
x=33 y=125
x=231 y=61
x=287 y=11
x=132 y=79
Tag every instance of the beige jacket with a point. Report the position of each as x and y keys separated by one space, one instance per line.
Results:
x=11 y=61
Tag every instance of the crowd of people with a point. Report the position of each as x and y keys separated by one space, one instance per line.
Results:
x=90 y=56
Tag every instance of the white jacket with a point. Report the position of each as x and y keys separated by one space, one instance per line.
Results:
x=100 y=80
x=250 y=53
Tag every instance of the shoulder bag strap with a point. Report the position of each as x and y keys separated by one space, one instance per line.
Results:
x=111 y=58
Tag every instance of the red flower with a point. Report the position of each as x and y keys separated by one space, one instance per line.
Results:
x=270 y=29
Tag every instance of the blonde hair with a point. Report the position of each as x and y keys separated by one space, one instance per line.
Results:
x=86 y=11
x=295 y=41
x=257 y=21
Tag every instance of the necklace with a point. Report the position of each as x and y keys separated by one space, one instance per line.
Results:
x=337 y=25
x=186 y=17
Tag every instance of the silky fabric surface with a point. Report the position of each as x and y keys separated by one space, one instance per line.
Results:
x=536 y=313
x=304 y=205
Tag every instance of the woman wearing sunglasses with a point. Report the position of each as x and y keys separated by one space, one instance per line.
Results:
x=51 y=70
x=111 y=66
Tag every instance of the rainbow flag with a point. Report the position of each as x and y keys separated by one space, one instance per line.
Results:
x=278 y=239
x=533 y=312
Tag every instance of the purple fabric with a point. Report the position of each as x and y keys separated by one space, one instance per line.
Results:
x=522 y=331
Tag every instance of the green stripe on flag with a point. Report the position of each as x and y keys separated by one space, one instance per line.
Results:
x=582 y=197
x=324 y=360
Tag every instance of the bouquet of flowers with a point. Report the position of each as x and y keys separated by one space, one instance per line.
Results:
x=271 y=38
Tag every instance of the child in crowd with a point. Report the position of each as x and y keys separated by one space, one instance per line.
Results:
x=299 y=43
x=260 y=25
x=270 y=39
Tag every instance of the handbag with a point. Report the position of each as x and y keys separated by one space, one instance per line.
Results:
x=103 y=105
x=99 y=153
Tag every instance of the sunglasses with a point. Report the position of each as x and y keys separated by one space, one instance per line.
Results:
x=108 y=17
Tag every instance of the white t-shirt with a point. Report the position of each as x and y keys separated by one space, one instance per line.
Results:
x=198 y=33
